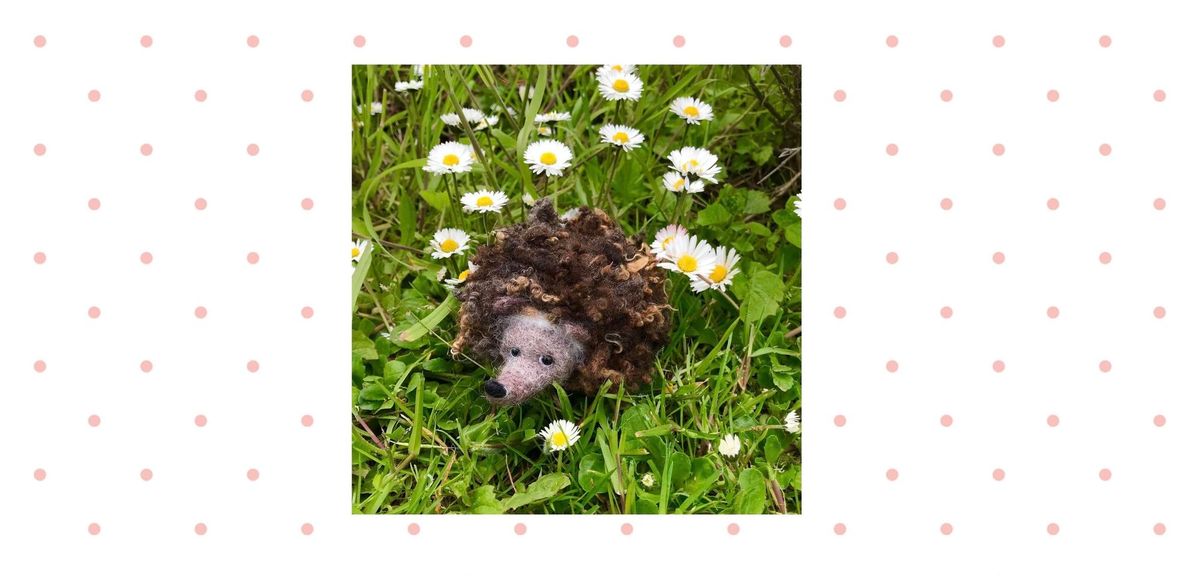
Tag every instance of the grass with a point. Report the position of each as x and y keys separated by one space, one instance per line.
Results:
x=426 y=441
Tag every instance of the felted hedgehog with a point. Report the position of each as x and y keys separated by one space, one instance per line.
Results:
x=567 y=299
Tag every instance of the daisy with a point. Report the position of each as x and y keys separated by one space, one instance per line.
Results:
x=473 y=117
x=722 y=274
x=791 y=422
x=450 y=157
x=484 y=201
x=549 y=156
x=676 y=182
x=552 y=117
x=560 y=434
x=527 y=198
x=692 y=110
x=697 y=161
x=403 y=86
x=419 y=70
x=449 y=241
x=623 y=136
x=610 y=68
x=730 y=446
x=357 y=249
x=462 y=276
x=545 y=131
x=620 y=86
x=664 y=237
x=690 y=255
x=647 y=480
x=798 y=199
x=376 y=108
x=570 y=215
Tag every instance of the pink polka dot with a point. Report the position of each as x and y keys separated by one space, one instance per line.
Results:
x=252 y=366
x=839 y=312
x=785 y=41
x=947 y=528
x=1052 y=95
x=252 y=41
x=998 y=366
x=93 y=420
x=572 y=41
x=94 y=95
x=627 y=528
x=1052 y=312
x=1105 y=474
x=252 y=257
x=414 y=529
x=147 y=366
x=147 y=149
x=252 y=474
x=1105 y=41
x=519 y=529
x=893 y=366
x=839 y=420
x=93 y=528
x=733 y=529
x=1105 y=149
x=947 y=204
x=839 y=204
x=839 y=528
x=1105 y=257
x=39 y=474
x=1160 y=204
x=93 y=312
x=892 y=149
x=201 y=95
x=39 y=41
x=1159 y=95
x=360 y=41
x=998 y=149
x=201 y=312
x=147 y=474
x=201 y=529
x=201 y=420
x=1052 y=529
x=147 y=41
x=306 y=420
x=39 y=366
x=1159 y=312
x=465 y=41
x=1160 y=528
x=998 y=257
x=839 y=95
x=947 y=95
x=306 y=312
x=892 y=41
x=1052 y=420
x=998 y=41
x=679 y=41
x=39 y=149
x=306 y=529
x=947 y=311
x=998 y=474
x=306 y=204
x=1105 y=365
x=201 y=204
x=892 y=257
x=39 y=258
x=306 y=95
x=892 y=474
x=1160 y=420
x=252 y=149
x=94 y=203
x=1052 y=203
x=947 y=420
x=147 y=257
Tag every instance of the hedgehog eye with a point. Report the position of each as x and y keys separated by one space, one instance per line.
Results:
x=547 y=360
x=515 y=351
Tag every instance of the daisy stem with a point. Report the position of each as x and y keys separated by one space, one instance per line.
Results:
x=686 y=125
x=612 y=173
x=730 y=300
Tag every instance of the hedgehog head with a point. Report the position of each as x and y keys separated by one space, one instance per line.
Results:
x=536 y=353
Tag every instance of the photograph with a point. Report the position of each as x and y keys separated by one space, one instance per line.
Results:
x=576 y=289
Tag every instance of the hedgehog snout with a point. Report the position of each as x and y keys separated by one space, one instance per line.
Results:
x=494 y=389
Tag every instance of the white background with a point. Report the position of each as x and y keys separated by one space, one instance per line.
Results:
x=945 y=474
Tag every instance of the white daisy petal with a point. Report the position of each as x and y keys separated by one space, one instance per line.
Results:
x=624 y=136
x=462 y=276
x=689 y=255
x=358 y=249
x=610 y=68
x=791 y=422
x=692 y=110
x=730 y=446
x=404 y=86
x=798 y=206
x=722 y=273
x=560 y=435
x=549 y=156
x=665 y=237
x=620 y=86
x=450 y=157
x=699 y=162
x=449 y=241
x=484 y=201
x=552 y=117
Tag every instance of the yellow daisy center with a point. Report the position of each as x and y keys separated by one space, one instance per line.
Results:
x=687 y=263
x=693 y=162
x=620 y=85
x=558 y=439
x=463 y=275
x=718 y=274
x=450 y=160
x=449 y=245
x=618 y=68
x=667 y=240
x=691 y=111
x=621 y=138
x=354 y=252
x=484 y=201
x=679 y=184
x=548 y=158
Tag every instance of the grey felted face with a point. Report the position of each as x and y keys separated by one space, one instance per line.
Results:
x=536 y=352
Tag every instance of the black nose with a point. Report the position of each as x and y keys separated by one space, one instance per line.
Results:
x=494 y=389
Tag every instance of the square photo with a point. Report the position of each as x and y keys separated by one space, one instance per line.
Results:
x=576 y=289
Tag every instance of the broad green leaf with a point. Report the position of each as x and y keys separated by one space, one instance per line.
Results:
x=772 y=449
x=760 y=293
x=752 y=492
x=482 y=500
x=592 y=475
x=542 y=489
x=714 y=214
x=757 y=202
x=437 y=199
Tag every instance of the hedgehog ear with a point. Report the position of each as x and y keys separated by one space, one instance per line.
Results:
x=577 y=331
